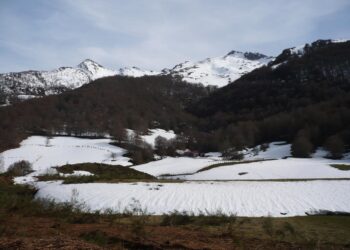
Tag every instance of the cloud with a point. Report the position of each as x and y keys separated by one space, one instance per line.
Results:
x=158 y=33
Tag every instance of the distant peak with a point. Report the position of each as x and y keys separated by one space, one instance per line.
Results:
x=248 y=55
x=88 y=62
x=234 y=52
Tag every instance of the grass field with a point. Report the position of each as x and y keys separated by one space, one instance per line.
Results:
x=101 y=173
x=343 y=167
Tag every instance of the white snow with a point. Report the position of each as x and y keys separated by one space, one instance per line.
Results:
x=136 y=72
x=241 y=194
x=77 y=173
x=251 y=198
x=277 y=164
x=340 y=40
x=154 y=133
x=174 y=165
x=299 y=50
x=276 y=150
x=63 y=150
x=291 y=168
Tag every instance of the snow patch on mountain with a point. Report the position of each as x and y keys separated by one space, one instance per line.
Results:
x=136 y=72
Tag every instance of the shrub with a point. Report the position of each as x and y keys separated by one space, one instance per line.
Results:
x=20 y=168
x=176 y=219
x=335 y=146
x=302 y=147
x=233 y=154
x=264 y=147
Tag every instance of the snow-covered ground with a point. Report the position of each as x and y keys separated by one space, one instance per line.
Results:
x=274 y=163
x=175 y=165
x=291 y=168
x=154 y=133
x=58 y=151
x=251 y=198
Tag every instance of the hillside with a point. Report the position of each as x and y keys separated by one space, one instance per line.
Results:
x=299 y=93
x=107 y=105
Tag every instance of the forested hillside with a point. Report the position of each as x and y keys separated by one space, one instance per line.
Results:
x=302 y=94
x=107 y=105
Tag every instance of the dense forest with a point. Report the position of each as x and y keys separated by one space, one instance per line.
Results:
x=302 y=98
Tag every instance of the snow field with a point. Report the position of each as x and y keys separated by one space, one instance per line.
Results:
x=251 y=198
x=64 y=150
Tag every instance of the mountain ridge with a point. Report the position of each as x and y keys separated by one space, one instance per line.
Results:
x=217 y=71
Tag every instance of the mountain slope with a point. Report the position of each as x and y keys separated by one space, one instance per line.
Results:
x=219 y=71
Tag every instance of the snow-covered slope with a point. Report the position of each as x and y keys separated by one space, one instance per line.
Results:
x=219 y=71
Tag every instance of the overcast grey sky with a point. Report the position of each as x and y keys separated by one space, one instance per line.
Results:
x=153 y=34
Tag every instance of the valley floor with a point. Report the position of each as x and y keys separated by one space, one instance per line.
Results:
x=267 y=183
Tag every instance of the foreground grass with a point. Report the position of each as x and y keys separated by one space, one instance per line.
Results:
x=343 y=167
x=101 y=173
x=22 y=218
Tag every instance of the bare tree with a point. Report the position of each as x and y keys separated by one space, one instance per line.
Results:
x=113 y=156
x=47 y=141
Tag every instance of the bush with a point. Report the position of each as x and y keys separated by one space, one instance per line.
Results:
x=20 y=168
x=335 y=146
x=233 y=154
x=302 y=147
x=176 y=219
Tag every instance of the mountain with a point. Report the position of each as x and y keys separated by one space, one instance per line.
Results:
x=297 y=73
x=29 y=84
x=219 y=71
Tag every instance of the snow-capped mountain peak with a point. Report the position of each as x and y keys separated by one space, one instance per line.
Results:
x=219 y=71
x=95 y=70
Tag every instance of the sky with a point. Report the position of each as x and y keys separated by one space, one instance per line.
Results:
x=157 y=34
